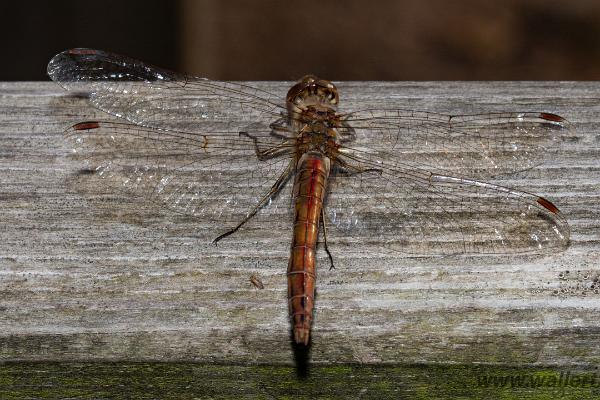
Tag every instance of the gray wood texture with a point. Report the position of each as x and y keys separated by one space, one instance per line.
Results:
x=103 y=277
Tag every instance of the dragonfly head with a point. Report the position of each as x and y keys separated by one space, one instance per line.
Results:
x=313 y=92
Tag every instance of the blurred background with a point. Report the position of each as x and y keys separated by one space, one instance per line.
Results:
x=338 y=40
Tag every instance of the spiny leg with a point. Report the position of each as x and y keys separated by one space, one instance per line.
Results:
x=349 y=169
x=347 y=133
x=264 y=200
x=281 y=129
x=269 y=153
x=325 y=239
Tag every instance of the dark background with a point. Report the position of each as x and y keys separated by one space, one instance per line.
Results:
x=338 y=40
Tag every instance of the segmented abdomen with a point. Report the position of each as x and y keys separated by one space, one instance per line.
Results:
x=310 y=184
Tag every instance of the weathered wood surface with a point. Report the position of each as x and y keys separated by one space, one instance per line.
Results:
x=102 y=278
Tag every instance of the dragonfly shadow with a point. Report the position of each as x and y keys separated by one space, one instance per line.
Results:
x=301 y=357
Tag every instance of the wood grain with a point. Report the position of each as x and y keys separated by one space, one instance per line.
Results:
x=101 y=277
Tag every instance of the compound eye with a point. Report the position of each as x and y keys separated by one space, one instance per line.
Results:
x=332 y=97
x=308 y=79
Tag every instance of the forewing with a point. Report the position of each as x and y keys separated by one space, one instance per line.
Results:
x=157 y=98
x=195 y=147
x=480 y=145
x=211 y=175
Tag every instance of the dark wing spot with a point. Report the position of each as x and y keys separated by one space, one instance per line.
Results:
x=551 y=117
x=547 y=205
x=82 y=126
x=86 y=171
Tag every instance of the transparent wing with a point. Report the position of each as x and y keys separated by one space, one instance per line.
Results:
x=481 y=145
x=195 y=161
x=204 y=175
x=187 y=152
x=157 y=98
x=408 y=189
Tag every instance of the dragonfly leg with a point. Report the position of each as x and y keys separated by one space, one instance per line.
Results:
x=349 y=169
x=264 y=200
x=281 y=129
x=325 y=239
x=346 y=132
x=269 y=153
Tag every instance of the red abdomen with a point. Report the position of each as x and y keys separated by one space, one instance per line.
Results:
x=310 y=184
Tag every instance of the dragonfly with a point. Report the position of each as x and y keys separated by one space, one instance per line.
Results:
x=223 y=151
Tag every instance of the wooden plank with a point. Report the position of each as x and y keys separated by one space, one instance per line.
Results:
x=101 y=277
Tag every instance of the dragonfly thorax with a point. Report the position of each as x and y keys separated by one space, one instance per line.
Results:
x=319 y=137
